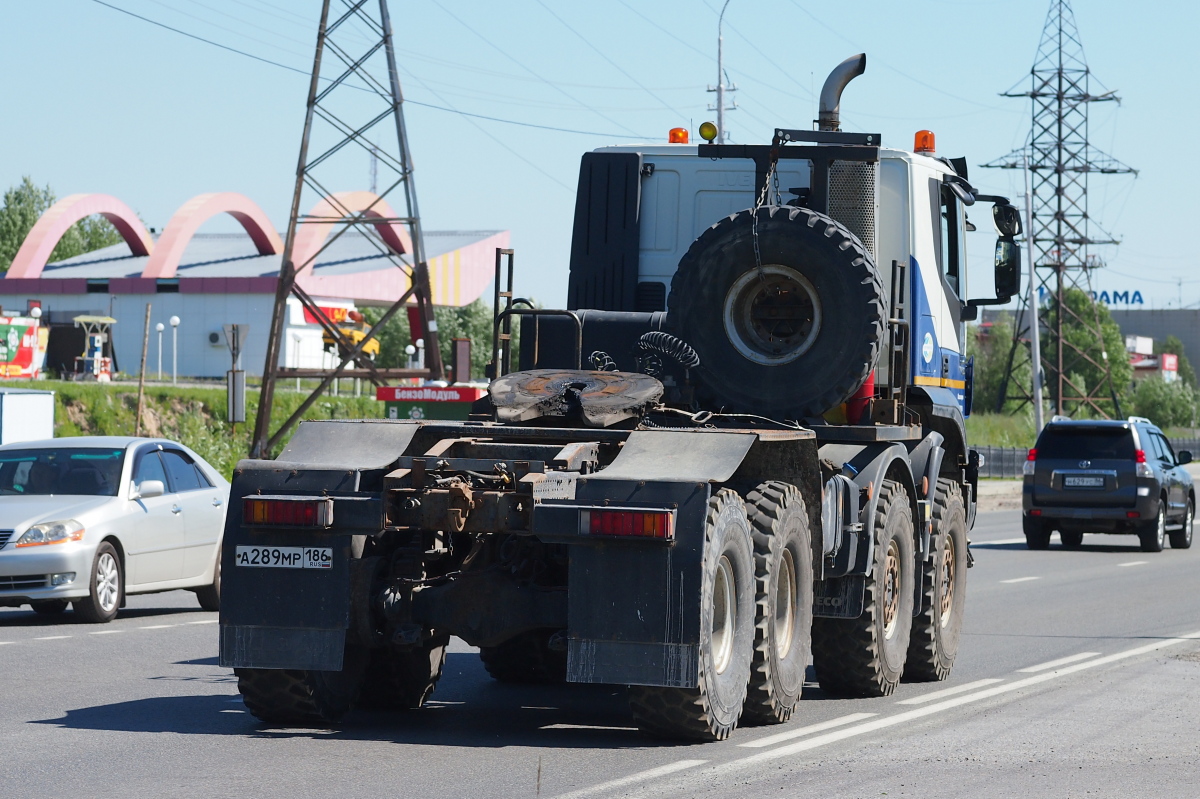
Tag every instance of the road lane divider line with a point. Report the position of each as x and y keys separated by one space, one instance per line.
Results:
x=1020 y=580
x=1053 y=664
x=771 y=740
x=2 y=643
x=957 y=689
x=158 y=626
x=711 y=774
x=205 y=621
x=52 y=638
x=1134 y=563
x=633 y=779
x=106 y=632
x=999 y=542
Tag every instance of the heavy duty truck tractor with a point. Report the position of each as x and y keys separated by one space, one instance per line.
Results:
x=739 y=451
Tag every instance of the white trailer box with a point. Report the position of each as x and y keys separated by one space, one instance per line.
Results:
x=26 y=415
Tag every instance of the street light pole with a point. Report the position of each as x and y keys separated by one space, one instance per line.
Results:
x=159 y=329
x=174 y=320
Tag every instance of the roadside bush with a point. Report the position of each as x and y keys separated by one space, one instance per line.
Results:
x=1166 y=404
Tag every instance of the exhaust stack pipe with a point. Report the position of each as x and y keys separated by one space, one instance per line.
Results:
x=829 y=117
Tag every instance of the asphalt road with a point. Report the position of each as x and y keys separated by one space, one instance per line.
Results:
x=140 y=708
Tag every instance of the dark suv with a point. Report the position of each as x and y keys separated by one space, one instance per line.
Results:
x=1107 y=477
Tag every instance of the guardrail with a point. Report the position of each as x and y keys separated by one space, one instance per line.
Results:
x=1006 y=462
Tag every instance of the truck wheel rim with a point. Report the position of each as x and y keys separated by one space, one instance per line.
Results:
x=891 y=589
x=785 y=605
x=772 y=315
x=948 y=566
x=107 y=582
x=724 y=615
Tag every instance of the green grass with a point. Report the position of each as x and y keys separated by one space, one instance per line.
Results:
x=1001 y=430
x=193 y=416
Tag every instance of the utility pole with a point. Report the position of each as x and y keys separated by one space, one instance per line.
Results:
x=1058 y=161
x=721 y=87
x=1035 y=333
x=337 y=122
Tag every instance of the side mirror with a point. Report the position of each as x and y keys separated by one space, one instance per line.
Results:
x=1007 y=219
x=1183 y=456
x=150 y=489
x=1008 y=268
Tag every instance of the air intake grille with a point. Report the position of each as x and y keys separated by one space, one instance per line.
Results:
x=23 y=582
x=853 y=188
x=4 y=536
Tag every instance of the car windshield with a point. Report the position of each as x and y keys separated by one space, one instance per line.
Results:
x=1097 y=442
x=74 y=470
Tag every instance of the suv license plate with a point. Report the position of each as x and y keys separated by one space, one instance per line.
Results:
x=284 y=557
x=1083 y=482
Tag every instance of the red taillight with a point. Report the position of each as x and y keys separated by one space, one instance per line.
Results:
x=1032 y=456
x=1035 y=512
x=630 y=523
x=287 y=512
x=1132 y=514
x=1139 y=456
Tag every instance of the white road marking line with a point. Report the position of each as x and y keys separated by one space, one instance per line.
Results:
x=1020 y=579
x=1134 y=563
x=2 y=643
x=811 y=728
x=1020 y=540
x=52 y=638
x=1053 y=664
x=958 y=689
x=633 y=779
x=106 y=632
x=711 y=774
x=206 y=621
x=158 y=626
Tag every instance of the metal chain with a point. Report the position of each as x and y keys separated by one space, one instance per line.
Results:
x=758 y=204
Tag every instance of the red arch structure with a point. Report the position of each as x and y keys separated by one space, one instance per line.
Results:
x=191 y=215
x=57 y=220
x=312 y=235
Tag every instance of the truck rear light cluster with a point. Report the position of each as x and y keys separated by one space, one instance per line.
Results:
x=287 y=512
x=629 y=523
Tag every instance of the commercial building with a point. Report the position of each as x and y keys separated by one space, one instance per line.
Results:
x=210 y=280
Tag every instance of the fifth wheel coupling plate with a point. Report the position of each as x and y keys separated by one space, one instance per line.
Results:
x=599 y=398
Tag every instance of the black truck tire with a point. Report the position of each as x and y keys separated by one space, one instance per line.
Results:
x=1182 y=538
x=779 y=525
x=933 y=640
x=1153 y=534
x=793 y=339
x=865 y=656
x=1037 y=534
x=403 y=679
x=710 y=711
x=291 y=696
x=526 y=658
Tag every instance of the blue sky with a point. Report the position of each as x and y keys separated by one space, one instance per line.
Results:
x=96 y=100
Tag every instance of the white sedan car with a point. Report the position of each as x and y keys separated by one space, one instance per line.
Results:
x=88 y=520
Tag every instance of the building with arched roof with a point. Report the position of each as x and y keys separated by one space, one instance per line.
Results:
x=210 y=280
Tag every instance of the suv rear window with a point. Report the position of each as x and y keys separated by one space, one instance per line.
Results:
x=1086 y=442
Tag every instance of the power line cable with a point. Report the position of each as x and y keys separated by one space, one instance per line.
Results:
x=559 y=89
x=306 y=73
x=614 y=64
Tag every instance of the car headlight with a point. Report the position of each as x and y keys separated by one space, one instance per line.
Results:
x=51 y=533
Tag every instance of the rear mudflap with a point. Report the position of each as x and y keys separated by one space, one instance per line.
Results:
x=285 y=618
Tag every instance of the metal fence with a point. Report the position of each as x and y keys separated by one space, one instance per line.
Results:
x=1006 y=462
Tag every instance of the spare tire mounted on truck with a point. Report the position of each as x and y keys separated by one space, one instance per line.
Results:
x=784 y=346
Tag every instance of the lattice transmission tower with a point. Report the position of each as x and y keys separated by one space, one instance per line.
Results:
x=1060 y=160
x=354 y=89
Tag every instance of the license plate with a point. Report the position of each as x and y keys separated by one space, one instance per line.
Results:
x=1083 y=482
x=284 y=557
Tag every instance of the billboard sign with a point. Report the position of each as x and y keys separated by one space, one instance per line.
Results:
x=22 y=347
